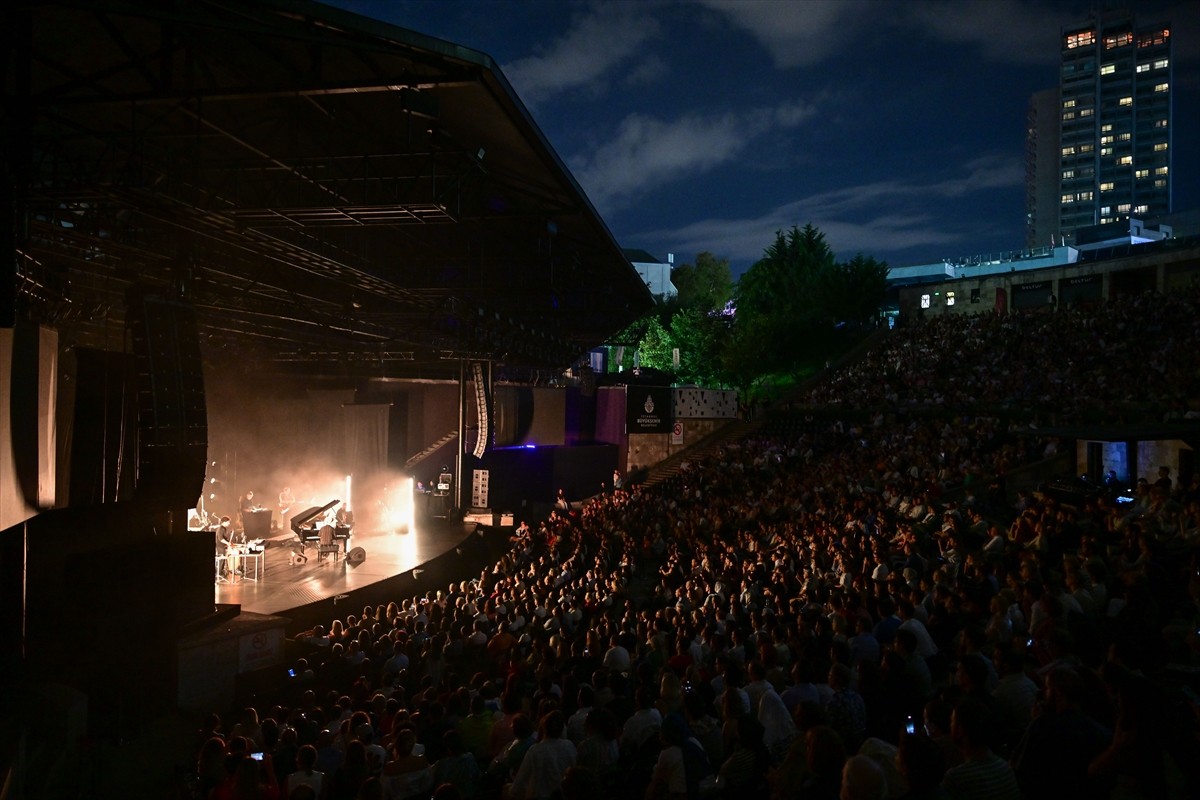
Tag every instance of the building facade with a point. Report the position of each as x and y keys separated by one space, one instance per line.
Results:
x=1042 y=226
x=1061 y=278
x=1115 y=121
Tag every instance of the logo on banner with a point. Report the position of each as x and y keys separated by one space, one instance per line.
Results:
x=652 y=414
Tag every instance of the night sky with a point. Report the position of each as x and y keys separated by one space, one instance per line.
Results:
x=897 y=128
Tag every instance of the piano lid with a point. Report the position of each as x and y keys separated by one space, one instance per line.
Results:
x=309 y=514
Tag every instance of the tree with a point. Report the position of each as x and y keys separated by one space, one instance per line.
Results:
x=707 y=285
x=778 y=300
x=852 y=291
x=792 y=303
x=700 y=337
x=785 y=278
x=656 y=347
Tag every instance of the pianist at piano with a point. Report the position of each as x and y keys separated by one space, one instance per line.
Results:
x=309 y=524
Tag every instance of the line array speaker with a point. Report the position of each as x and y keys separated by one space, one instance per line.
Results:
x=172 y=415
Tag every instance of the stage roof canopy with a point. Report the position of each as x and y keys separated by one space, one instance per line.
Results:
x=330 y=193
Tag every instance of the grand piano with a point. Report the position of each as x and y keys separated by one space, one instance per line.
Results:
x=308 y=524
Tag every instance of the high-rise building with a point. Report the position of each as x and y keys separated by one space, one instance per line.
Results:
x=1114 y=124
x=1041 y=169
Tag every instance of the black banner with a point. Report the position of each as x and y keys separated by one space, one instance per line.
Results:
x=648 y=409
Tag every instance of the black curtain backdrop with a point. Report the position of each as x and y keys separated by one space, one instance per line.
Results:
x=365 y=440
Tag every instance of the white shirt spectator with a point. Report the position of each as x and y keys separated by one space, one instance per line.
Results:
x=617 y=659
x=542 y=769
x=925 y=645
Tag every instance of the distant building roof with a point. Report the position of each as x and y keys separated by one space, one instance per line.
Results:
x=640 y=256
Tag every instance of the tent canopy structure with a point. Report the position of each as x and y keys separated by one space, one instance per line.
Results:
x=331 y=194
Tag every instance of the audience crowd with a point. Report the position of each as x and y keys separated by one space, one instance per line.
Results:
x=1131 y=359
x=821 y=609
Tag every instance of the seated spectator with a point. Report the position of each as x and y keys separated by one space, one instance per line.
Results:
x=681 y=764
x=458 y=767
x=1052 y=759
x=306 y=774
x=541 y=772
x=982 y=774
x=407 y=775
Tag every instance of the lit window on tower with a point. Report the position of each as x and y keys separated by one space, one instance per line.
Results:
x=1118 y=40
x=1080 y=39
x=1154 y=38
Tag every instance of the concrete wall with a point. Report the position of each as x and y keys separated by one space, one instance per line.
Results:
x=1161 y=453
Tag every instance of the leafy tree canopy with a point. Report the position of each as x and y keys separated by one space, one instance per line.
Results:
x=707 y=285
x=795 y=308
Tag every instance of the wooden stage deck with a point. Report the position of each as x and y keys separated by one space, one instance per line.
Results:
x=282 y=588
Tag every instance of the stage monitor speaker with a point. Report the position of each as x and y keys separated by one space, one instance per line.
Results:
x=356 y=556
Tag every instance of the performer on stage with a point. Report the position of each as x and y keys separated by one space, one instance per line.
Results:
x=287 y=501
x=237 y=546
x=222 y=535
x=245 y=506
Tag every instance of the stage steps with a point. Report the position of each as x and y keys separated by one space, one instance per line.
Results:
x=430 y=450
x=701 y=449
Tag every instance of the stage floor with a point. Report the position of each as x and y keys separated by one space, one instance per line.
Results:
x=281 y=587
